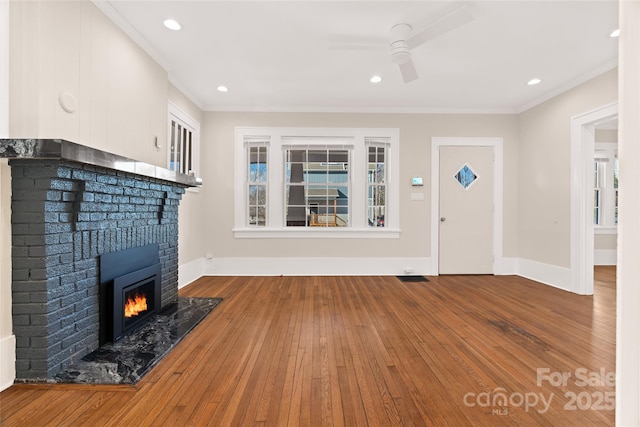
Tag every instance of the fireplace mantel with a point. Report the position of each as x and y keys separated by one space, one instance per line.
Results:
x=61 y=149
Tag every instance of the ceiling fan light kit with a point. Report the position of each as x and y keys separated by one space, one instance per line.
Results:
x=400 y=54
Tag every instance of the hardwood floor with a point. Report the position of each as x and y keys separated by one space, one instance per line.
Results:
x=364 y=351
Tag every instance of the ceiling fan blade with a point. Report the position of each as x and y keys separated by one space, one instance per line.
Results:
x=408 y=71
x=448 y=22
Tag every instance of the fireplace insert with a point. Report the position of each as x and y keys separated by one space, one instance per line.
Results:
x=130 y=290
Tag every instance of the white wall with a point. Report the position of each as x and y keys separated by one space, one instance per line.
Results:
x=70 y=47
x=190 y=244
x=544 y=169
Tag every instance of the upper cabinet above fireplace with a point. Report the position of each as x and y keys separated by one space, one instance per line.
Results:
x=66 y=150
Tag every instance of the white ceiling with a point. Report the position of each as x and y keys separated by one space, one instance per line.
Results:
x=282 y=56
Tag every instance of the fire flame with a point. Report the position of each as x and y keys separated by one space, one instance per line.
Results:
x=135 y=305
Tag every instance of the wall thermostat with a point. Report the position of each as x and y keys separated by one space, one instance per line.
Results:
x=416 y=181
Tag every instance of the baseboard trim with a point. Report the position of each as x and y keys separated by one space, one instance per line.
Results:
x=7 y=361
x=552 y=275
x=557 y=277
x=505 y=266
x=190 y=272
x=605 y=257
x=326 y=266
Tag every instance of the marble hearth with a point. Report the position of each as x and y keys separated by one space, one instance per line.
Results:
x=71 y=204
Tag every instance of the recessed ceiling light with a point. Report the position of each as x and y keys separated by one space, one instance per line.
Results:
x=375 y=79
x=222 y=88
x=172 y=24
x=533 y=82
x=615 y=33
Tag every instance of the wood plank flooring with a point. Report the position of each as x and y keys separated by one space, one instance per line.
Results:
x=364 y=351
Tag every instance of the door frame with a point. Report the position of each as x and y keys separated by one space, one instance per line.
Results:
x=582 y=239
x=498 y=165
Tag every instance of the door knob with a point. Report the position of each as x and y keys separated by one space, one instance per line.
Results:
x=442 y=219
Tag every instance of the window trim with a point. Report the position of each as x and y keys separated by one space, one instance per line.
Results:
x=281 y=136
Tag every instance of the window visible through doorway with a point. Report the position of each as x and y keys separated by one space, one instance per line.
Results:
x=605 y=192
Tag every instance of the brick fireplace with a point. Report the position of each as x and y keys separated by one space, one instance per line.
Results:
x=70 y=205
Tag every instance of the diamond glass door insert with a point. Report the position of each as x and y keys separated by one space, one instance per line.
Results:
x=466 y=176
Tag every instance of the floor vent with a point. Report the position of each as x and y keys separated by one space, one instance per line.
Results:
x=412 y=278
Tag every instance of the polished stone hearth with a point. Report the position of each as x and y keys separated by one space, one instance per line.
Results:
x=127 y=360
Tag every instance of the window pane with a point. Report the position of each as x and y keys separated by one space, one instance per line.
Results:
x=596 y=206
x=172 y=155
x=295 y=165
x=261 y=216
x=338 y=156
x=257 y=195
x=376 y=216
x=258 y=164
x=379 y=195
x=319 y=156
x=380 y=174
x=262 y=196
x=178 y=148
x=317 y=200
x=616 y=210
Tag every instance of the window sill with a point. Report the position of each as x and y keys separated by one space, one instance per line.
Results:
x=605 y=230
x=315 y=233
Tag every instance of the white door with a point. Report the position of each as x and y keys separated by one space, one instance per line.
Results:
x=466 y=210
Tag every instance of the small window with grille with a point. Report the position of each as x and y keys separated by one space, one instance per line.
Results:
x=257 y=180
x=184 y=142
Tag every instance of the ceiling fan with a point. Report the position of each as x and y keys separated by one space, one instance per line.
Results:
x=403 y=39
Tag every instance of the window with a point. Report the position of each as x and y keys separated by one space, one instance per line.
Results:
x=376 y=181
x=184 y=142
x=257 y=183
x=316 y=186
x=299 y=182
x=605 y=192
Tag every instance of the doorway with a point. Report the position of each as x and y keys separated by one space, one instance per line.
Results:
x=582 y=199
x=466 y=205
